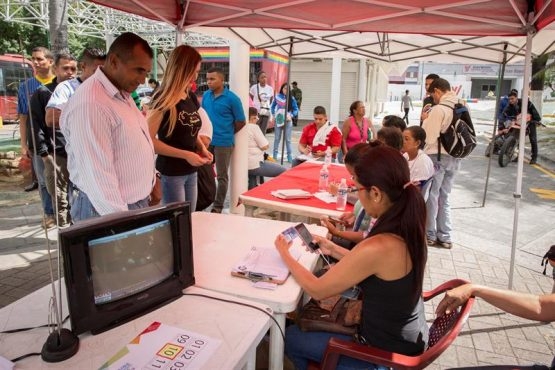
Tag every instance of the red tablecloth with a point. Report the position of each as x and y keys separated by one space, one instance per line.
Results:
x=304 y=176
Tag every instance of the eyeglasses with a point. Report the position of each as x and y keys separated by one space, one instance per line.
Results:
x=353 y=189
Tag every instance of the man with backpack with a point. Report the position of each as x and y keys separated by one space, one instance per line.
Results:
x=438 y=222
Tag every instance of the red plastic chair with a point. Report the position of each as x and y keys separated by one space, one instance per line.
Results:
x=443 y=332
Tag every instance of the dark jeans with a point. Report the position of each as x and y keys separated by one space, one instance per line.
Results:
x=533 y=139
x=302 y=347
x=263 y=123
x=406 y=117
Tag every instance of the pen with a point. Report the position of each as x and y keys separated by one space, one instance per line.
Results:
x=259 y=276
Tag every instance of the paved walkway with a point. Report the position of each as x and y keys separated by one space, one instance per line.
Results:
x=481 y=253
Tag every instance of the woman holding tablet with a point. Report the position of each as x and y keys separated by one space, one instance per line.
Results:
x=388 y=266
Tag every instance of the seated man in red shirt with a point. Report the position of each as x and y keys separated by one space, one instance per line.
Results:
x=317 y=137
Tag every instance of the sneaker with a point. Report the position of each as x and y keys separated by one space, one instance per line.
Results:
x=216 y=210
x=532 y=161
x=32 y=186
x=48 y=222
x=431 y=242
x=446 y=245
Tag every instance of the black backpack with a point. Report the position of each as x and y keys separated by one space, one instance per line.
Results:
x=459 y=140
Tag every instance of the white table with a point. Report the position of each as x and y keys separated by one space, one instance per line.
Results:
x=221 y=240
x=239 y=328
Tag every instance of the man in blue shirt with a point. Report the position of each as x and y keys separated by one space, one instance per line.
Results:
x=225 y=110
x=42 y=60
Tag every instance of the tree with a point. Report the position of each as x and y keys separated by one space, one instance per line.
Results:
x=57 y=10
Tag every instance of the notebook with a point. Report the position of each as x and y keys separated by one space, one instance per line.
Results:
x=264 y=264
x=291 y=194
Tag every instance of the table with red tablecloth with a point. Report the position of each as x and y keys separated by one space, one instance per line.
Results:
x=304 y=176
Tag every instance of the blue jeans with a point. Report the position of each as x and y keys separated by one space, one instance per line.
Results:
x=277 y=139
x=302 y=347
x=266 y=169
x=438 y=209
x=180 y=189
x=82 y=208
x=46 y=199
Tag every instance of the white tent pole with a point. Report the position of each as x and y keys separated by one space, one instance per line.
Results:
x=335 y=89
x=524 y=111
x=239 y=59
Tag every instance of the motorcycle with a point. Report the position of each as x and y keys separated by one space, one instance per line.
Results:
x=506 y=142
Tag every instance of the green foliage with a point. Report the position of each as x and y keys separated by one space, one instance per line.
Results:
x=32 y=36
x=78 y=43
x=15 y=35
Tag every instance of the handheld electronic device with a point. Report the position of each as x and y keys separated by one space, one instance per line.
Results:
x=306 y=236
x=336 y=220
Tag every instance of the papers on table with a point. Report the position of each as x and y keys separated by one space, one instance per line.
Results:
x=326 y=197
x=164 y=347
x=264 y=264
x=291 y=194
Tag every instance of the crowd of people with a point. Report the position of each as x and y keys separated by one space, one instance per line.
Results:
x=94 y=153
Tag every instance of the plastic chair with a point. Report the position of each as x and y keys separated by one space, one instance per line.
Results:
x=443 y=332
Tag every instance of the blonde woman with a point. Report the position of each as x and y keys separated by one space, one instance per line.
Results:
x=174 y=124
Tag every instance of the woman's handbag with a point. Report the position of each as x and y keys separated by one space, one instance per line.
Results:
x=336 y=314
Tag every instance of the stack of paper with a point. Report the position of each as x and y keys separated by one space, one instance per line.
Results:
x=291 y=194
x=263 y=264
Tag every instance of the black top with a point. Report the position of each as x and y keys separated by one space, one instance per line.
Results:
x=391 y=320
x=512 y=111
x=44 y=135
x=428 y=100
x=184 y=136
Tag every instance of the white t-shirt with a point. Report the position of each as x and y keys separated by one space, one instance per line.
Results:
x=206 y=128
x=421 y=168
x=266 y=93
x=256 y=141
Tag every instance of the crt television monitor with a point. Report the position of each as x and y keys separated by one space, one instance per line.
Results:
x=122 y=265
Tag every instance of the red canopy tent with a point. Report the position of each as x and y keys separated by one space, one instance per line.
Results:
x=495 y=31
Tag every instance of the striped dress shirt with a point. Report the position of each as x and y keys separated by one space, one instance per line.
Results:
x=110 y=153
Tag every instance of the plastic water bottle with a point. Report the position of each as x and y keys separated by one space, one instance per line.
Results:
x=327 y=158
x=342 y=195
x=323 y=179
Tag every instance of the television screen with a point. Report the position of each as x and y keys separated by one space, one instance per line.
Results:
x=130 y=262
x=119 y=266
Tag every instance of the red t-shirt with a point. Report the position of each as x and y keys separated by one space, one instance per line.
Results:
x=310 y=130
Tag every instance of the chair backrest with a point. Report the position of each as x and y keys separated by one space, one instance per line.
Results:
x=445 y=329
x=443 y=332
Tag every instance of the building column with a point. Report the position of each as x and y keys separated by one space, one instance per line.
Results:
x=239 y=60
x=362 y=81
x=335 y=90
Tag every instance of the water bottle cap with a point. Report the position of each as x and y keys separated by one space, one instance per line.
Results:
x=343 y=181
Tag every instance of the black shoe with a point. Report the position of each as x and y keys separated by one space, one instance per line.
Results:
x=533 y=161
x=33 y=186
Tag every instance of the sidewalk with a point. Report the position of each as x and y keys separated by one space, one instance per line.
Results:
x=481 y=254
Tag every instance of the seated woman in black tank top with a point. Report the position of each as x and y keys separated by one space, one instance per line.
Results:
x=388 y=266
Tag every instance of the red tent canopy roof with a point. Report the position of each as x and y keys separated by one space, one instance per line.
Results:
x=468 y=17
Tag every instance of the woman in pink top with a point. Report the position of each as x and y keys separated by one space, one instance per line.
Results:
x=355 y=127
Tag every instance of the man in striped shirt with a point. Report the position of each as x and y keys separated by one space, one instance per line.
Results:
x=110 y=153
x=88 y=63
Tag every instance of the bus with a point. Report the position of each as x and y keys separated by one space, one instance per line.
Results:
x=14 y=69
